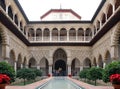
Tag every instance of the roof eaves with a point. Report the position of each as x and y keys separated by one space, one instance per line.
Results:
x=98 y=10
x=21 y=9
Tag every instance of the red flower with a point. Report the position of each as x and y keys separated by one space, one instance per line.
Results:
x=115 y=78
x=4 y=79
x=49 y=75
x=70 y=75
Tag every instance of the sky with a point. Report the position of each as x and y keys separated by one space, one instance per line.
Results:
x=34 y=9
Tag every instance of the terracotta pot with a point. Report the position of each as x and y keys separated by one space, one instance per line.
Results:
x=116 y=86
x=2 y=86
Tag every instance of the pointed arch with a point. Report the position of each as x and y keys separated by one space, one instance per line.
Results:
x=103 y=18
x=39 y=34
x=75 y=67
x=54 y=34
x=21 y=26
x=31 y=34
x=16 y=19
x=60 y=54
x=46 y=34
x=44 y=66
x=63 y=34
x=107 y=57
x=60 y=61
x=32 y=63
x=88 y=34
x=80 y=34
x=100 y=61
x=94 y=30
x=12 y=59
x=87 y=63
x=24 y=62
x=72 y=34
x=19 y=62
x=110 y=11
x=10 y=12
x=98 y=25
x=94 y=62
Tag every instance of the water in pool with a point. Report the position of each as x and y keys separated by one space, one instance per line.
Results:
x=60 y=83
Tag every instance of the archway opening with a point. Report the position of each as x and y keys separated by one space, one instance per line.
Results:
x=87 y=63
x=60 y=66
x=12 y=60
x=75 y=67
x=59 y=63
x=44 y=66
x=32 y=63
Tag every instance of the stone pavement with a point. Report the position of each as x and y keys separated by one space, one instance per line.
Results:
x=36 y=84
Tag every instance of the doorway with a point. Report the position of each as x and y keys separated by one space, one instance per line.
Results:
x=59 y=63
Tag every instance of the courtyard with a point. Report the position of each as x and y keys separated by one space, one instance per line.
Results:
x=34 y=85
x=60 y=42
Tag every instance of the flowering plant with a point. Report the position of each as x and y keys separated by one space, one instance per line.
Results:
x=49 y=75
x=4 y=79
x=69 y=75
x=115 y=78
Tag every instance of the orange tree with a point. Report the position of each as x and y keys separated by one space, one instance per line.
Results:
x=26 y=74
x=94 y=73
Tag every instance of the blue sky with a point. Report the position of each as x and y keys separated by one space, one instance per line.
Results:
x=34 y=9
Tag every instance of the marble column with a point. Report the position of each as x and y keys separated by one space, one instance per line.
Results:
x=50 y=69
x=21 y=66
x=15 y=66
x=69 y=69
x=104 y=64
x=38 y=66
x=81 y=68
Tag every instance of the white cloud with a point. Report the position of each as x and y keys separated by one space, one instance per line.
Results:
x=34 y=9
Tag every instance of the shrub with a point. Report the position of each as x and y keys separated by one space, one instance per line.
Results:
x=5 y=68
x=94 y=73
x=112 y=68
x=83 y=73
x=26 y=74
x=37 y=72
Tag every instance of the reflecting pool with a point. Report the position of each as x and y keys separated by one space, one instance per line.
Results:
x=59 y=83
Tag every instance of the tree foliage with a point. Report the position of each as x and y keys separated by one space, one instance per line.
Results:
x=26 y=74
x=5 y=68
x=112 y=68
x=37 y=72
x=94 y=73
x=83 y=73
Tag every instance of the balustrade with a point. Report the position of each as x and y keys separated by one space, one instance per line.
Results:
x=59 y=38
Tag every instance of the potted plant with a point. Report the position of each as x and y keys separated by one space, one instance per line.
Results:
x=6 y=68
x=4 y=80
x=112 y=68
x=49 y=75
x=115 y=80
x=69 y=75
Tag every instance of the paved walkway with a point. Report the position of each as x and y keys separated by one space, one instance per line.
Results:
x=36 y=84
x=88 y=86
